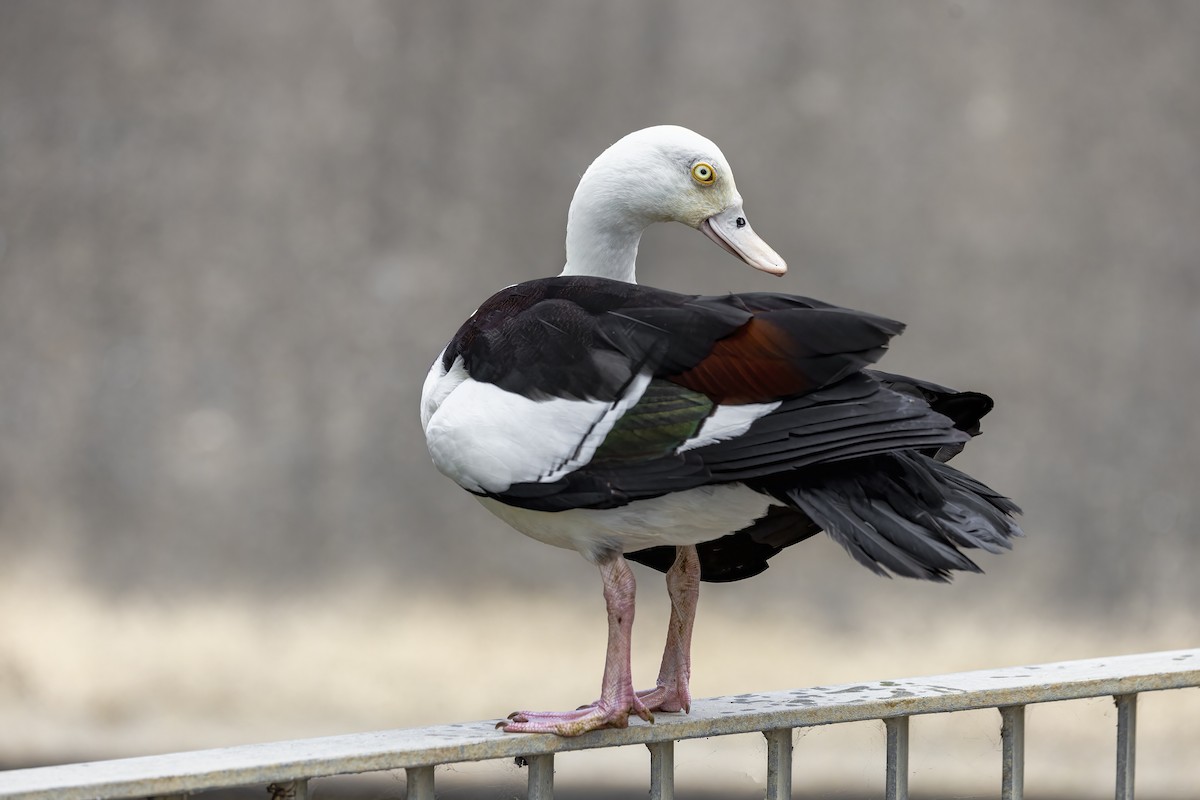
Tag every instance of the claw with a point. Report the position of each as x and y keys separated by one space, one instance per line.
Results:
x=671 y=699
x=574 y=723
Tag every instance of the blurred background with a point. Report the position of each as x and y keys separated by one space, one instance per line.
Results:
x=234 y=236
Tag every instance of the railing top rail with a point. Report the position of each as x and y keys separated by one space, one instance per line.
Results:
x=479 y=741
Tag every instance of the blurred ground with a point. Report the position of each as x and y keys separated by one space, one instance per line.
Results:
x=88 y=677
x=232 y=238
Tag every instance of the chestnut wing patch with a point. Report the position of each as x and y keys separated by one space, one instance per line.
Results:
x=787 y=352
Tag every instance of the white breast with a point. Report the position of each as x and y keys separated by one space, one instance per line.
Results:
x=690 y=517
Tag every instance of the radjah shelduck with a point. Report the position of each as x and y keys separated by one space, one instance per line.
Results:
x=697 y=435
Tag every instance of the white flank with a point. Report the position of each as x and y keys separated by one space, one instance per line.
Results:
x=728 y=422
x=488 y=439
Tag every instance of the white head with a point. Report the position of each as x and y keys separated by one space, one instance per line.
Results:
x=661 y=174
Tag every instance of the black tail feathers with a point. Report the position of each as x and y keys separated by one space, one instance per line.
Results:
x=906 y=514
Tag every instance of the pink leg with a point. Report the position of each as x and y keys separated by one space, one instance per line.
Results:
x=617 y=698
x=683 y=585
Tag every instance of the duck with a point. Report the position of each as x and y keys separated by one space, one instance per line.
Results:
x=697 y=435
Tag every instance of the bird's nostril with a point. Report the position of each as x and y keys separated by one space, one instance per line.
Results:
x=741 y=222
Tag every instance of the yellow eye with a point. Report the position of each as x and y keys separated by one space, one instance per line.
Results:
x=704 y=173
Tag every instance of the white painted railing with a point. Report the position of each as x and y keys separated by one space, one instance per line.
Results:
x=287 y=767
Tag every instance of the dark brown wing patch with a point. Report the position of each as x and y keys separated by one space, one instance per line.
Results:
x=788 y=351
x=758 y=363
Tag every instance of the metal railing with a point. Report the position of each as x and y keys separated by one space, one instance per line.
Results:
x=286 y=767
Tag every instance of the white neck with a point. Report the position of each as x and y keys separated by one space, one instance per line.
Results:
x=604 y=227
x=602 y=251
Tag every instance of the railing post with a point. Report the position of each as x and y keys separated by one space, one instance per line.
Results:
x=420 y=783
x=288 y=790
x=1012 y=737
x=896 y=780
x=541 y=777
x=662 y=770
x=1126 y=744
x=779 y=764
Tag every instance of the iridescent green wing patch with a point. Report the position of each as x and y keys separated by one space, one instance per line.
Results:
x=666 y=417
